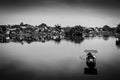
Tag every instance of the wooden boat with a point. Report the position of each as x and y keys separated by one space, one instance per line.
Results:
x=90 y=60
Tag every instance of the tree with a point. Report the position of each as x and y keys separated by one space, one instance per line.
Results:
x=78 y=28
x=106 y=28
x=118 y=29
x=43 y=24
x=76 y=31
x=21 y=24
x=58 y=26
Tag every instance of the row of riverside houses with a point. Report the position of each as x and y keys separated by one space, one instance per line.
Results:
x=44 y=31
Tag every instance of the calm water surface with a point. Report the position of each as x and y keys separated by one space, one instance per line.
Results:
x=59 y=61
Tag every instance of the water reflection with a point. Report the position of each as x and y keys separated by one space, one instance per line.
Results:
x=50 y=61
x=90 y=71
x=30 y=39
x=106 y=37
x=57 y=39
x=76 y=40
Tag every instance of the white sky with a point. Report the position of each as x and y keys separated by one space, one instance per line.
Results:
x=65 y=15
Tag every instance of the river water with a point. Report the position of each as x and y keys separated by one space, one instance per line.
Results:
x=59 y=61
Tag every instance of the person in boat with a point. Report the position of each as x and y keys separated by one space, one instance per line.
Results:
x=90 y=56
x=90 y=60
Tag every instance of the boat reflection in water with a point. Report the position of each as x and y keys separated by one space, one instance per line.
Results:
x=91 y=64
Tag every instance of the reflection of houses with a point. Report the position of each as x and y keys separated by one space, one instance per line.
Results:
x=75 y=39
x=105 y=35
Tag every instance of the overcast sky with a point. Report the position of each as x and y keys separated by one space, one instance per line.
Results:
x=64 y=12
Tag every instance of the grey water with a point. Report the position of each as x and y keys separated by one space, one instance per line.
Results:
x=59 y=61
